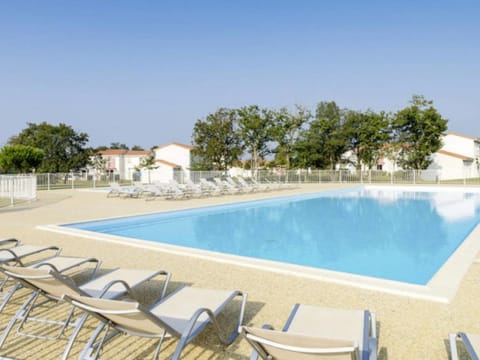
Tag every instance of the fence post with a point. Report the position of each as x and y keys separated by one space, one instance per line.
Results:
x=73 y=186
x=12 y=192
x=48 y=181
x=414 y=175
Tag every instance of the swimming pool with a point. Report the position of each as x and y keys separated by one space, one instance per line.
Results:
x=398 y=234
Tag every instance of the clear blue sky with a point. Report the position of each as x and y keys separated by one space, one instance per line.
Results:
x=142 y=72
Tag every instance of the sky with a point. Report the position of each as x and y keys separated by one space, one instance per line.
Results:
x=143 y=72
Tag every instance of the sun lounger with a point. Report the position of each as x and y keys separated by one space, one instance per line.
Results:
x=47 y=282
x=13 y=251
x=61 y=264
x=317 y=333
x=183 y=315
x=471 y=343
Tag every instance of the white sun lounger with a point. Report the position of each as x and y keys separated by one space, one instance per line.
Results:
x=183 y=314
x=470 y=341
x=47 y=282
x=313 y=333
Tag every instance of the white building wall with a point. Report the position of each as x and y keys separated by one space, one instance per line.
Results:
x=174 y=154
x=450 y=167
x=162 y=174
x=459 y=145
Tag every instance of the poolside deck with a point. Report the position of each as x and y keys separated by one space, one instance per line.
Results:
x=408 y=328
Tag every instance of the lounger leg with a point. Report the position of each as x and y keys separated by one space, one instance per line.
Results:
x=18 y=316
x=8 y=295
x=91 y=347
x=453 y=346
x=74 y=335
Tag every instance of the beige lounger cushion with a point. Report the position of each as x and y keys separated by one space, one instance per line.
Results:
x=330 y=323
x=285 y=346
x=132 y=277
x=176 y=310
x=20 y=251
x=474 y=340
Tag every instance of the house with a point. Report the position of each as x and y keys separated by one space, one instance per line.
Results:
x=171 y=160
x=120 y=161
x=458 y=158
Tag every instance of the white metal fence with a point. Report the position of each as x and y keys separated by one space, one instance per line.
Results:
x=73 y=180
x=431 y=177
x=17 y=188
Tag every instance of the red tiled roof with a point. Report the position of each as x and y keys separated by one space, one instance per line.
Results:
x=461 y=135
x=458 y=156
x=124 y=152
x=188 y=147
x=168 y=163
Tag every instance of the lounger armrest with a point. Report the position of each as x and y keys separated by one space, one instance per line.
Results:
x=9 y=240
x=254 y=355
x=372 y=348
x=115 y=282
x=453 y=346
x=167 y=275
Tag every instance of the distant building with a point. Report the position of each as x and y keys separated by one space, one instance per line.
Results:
x=122 y=162
x=171 y=160
x=458 y=158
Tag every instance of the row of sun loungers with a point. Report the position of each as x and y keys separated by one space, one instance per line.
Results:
x=189 y=189
x=310 y=332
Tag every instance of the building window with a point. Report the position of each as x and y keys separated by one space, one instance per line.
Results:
x=379 y=166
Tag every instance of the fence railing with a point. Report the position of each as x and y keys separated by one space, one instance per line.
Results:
x=17 y=188
x=425 y=177
x=79 y=180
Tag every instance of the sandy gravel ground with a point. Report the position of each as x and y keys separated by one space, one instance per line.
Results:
x=407 y=328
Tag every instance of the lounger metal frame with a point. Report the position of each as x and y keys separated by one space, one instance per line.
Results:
x=93 y=348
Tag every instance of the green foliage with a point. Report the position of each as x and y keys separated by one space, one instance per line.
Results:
x=117 y=145
x=417 y=130
x=286 y=129
x=324 y=143
x=367 y=134
x=255 y=126
x=20 y=158
x=63 y=147
x=216 y=142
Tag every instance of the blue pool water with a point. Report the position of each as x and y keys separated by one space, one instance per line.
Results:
x=385 y=233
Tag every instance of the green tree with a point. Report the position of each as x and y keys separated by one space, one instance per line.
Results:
x=117 y=145
x=286 y=129
x=148 y=163
x=255 y=129
x=367 y=133
x=324 y=143
x=64 y=148
x=20 y=158
x=137 y=148
x=418 y=130
x=216 y=144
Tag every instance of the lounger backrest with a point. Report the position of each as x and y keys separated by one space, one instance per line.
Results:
x=125 y=315
x=42 y=279
x=285 y=346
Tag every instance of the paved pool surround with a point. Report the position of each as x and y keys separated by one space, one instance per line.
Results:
x=408 y=327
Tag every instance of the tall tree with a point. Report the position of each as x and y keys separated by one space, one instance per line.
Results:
x=255 y=126
x=286 y=130
x=216 y=144
x=20 y=158
x=64 y=148
x=418 y=130
x=367 y=133
x=117 y=145
x=324 y=143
